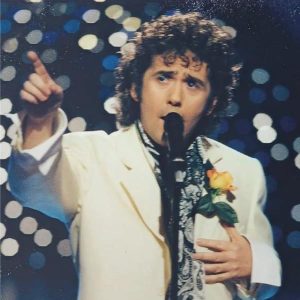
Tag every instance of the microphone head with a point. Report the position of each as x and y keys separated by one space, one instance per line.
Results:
x=173 y=127
x=173 y=123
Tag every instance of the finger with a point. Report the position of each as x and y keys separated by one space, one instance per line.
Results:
x=30 y=88
x=215 y=278
x=211 y=257
x=216 y=268
x=231 y=231
x=39 y=66
x=56 y=89
x=215 y=245
x=38 y=82
x=27 y=97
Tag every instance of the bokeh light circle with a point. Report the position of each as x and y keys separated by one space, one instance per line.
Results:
x=114 y=11
x=22 y=16
x=34 y=37
x=2 y=230
x=5 y=106
x=296 y=144
x=266 y=134
x=257 y=95
x=72 y=26
x=77 y=124
x=279 y=152
x=64 y=81
x=3 y=175
x=88 y=41
x=262 y=119
x=2 y=132
x=118 y=39
x=110 y=62
x=293 y=239
x=91 y=16
x=49 y=56
x=64 y=248
x=28 y=225
x=132 y=24
x=297 y=161
x=37 y=260
x=280 y=93
x=111 y=105
x=260 y=76
x=13 y=209
x=295 y=213
x=5 y=150
x=5 y=26
x=9 y=247
x=10 y=45
x=8 y=73
x=42 y=237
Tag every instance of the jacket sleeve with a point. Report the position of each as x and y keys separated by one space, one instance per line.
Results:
x=34 y=173
x=266 y=266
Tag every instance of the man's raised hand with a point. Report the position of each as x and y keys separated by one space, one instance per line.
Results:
x=41 y=95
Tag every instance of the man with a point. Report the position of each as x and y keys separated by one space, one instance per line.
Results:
x=109 y=189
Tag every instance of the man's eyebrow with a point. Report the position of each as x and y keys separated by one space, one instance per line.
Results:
x=165 y=72
x=187 y=77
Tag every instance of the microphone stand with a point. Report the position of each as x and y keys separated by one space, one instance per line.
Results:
x=176 y=165
x=174 y=136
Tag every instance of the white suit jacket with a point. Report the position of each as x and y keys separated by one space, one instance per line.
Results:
x=112 y=204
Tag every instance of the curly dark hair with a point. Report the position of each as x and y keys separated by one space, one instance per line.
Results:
x=172 y=37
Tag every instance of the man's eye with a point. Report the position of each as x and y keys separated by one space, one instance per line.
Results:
x=192 y=83
x=162 y=78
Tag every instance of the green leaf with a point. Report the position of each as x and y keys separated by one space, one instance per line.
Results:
x=226 y=213
x=205 y=206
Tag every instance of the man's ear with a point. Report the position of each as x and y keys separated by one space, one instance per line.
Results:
x=133 y=93
x=212 y=106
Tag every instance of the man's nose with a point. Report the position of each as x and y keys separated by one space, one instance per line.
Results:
x=176 y=94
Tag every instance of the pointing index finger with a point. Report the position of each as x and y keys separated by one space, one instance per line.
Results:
x=38 y=66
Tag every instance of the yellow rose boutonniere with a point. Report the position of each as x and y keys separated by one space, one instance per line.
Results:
x=218 y=186
x=220 y=180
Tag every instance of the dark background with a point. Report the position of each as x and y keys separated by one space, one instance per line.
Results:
x=268 y=38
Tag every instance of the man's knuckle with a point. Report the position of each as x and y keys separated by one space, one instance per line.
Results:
x=26 y=84
x=32 y=76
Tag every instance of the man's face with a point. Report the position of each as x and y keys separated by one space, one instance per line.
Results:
x=179 y=88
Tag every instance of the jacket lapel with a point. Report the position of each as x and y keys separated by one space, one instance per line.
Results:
x=139 y=181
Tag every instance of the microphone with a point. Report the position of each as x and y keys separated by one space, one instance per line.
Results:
x=173 y=132
x=173 y=127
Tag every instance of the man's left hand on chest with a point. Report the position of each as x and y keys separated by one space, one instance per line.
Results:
x=228 y=259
